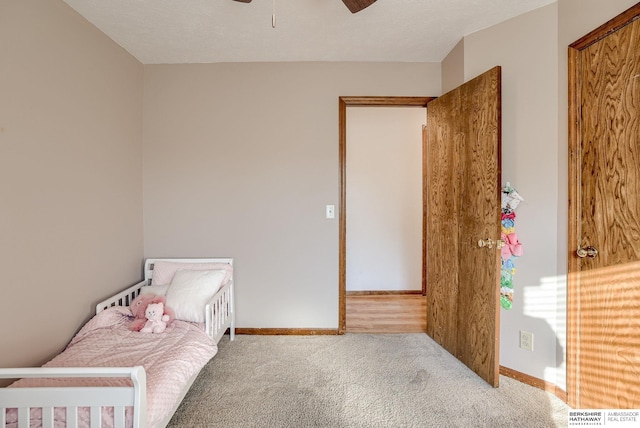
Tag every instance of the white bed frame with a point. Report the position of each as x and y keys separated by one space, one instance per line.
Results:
x=220 y=316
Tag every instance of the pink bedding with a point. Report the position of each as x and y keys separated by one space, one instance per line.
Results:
x=170 y=359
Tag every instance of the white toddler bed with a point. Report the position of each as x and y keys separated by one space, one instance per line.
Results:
x=125 y=378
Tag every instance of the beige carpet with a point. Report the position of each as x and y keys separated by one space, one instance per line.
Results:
x=355 y=380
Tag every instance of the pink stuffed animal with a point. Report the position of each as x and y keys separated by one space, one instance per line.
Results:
x=156 y=318
x=139 y=307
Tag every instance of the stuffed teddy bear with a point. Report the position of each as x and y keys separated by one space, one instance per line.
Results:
x=156 y=318
x=139 y=307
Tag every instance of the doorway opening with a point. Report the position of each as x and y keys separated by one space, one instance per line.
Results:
x=345 y=102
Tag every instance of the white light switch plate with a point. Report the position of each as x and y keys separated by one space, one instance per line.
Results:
x=331 y=211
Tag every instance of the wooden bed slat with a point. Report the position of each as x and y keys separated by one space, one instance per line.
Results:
x=118 y=417
x=72 y=417
x=47 y=417
x=24 y=417
x=96 y=416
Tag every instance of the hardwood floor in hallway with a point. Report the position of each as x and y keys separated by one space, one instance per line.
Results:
x=386 y=313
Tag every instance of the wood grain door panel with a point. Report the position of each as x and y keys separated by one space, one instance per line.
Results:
x=443 y=221
x=479 y=273
x=604 y=292
x=463 y=206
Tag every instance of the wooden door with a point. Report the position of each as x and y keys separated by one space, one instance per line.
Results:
x=463 y=207
x=603 y=352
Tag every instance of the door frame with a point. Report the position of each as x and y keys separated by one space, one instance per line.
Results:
x=574 y=185
x=365 y=101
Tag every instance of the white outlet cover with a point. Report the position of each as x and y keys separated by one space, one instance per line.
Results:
x=526 y=340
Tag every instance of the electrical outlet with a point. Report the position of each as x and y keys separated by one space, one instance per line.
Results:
x=526 y=340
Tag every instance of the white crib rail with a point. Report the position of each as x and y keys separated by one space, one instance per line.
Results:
x=123 y=298
x=220 y=313
x=71 y=398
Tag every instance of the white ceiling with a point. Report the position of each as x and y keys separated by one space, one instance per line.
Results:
x=204 y=31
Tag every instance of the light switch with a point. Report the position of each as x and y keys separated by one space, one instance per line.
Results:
x=331 y=211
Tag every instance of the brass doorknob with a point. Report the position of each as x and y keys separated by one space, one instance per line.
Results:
x=489 y=243
x=589 y=252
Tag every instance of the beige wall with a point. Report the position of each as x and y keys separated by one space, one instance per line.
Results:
x=240 y=161
x=384 y=198
x=453 y=68
x=70 y=175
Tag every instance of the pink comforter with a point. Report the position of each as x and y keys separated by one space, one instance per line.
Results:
x=170 y=359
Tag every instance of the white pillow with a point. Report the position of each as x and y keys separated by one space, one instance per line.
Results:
x=163 y=271
x=158 y=290
x=190 y=290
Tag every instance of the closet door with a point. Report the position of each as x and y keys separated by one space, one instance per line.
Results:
x=603 y=347
x=463 y=208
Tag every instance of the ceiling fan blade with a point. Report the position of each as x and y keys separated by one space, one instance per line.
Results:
x=357 y=5
x=244 y=1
